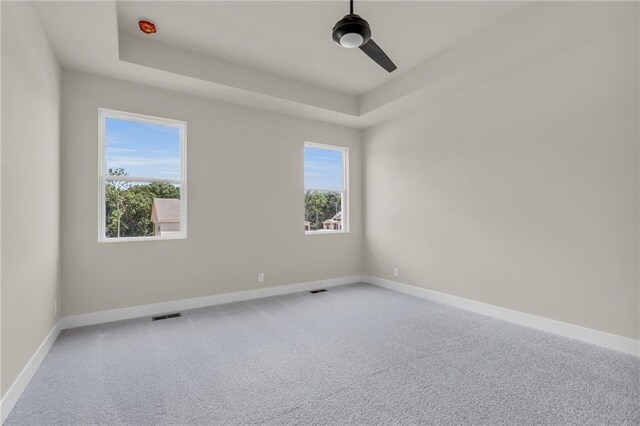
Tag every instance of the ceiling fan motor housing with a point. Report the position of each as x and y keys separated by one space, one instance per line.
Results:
x=351 y=31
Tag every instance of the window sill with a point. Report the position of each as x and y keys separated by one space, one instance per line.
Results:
x=136 y=239
x=325 y=232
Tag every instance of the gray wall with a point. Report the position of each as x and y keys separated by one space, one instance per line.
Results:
x=245 y=205
x=522 y=192
x=30 y=188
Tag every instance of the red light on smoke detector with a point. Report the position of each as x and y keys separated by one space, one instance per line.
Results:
x=147 y=27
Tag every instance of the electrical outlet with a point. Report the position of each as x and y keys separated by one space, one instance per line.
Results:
x=261 y=277
x=396 y=272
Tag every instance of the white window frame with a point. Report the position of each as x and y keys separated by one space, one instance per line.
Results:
x=103 y=114
x=344 y=192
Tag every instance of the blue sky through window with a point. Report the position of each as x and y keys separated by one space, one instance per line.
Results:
x=143 y=150
x=322 y=168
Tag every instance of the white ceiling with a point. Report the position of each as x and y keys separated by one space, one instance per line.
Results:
x=279 y=55
x=293 y=39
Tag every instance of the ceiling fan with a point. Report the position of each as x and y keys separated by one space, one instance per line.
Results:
x=352 y=31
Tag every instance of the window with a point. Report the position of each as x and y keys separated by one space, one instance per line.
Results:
x=142 y=177
x=325 y=189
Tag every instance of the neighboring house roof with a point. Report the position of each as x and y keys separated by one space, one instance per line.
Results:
x=334 y=219
x=165 y=210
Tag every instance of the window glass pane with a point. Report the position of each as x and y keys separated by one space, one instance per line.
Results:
x=322 y=168
x=323 y=211
x=141 y=209
x=141 y=149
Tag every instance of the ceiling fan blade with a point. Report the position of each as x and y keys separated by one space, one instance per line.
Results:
x=374 y=52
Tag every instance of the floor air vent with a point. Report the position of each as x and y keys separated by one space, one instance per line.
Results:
x=167 y=316
x=322 y=290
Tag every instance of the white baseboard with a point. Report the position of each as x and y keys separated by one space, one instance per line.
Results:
x=20 y=384
x=199 y=302
x=584 y=334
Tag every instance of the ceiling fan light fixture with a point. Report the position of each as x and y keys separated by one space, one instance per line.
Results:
x=351 y=40
x=351 y=31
